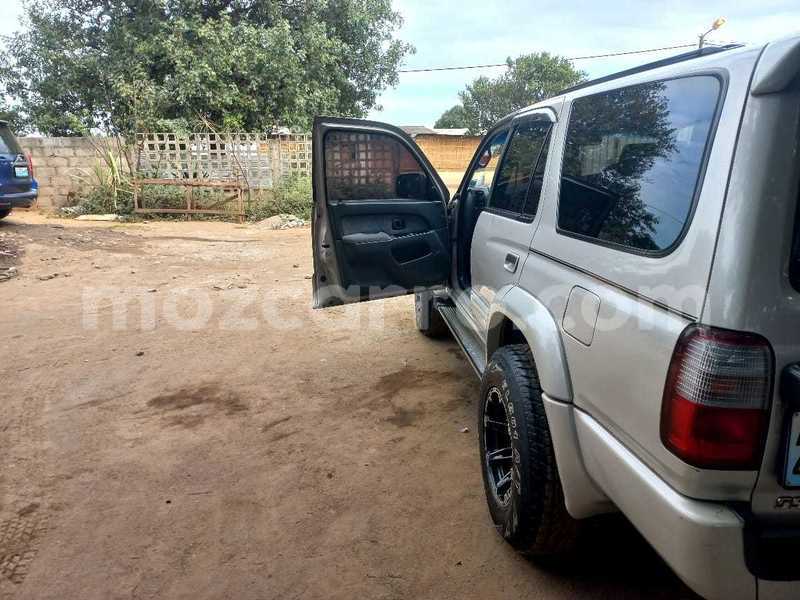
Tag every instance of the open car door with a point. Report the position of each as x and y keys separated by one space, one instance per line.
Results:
x=379 y=225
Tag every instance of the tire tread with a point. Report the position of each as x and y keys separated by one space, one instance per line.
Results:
x=549 y=529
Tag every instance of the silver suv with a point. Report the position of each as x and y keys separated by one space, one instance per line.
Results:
x=621 y=266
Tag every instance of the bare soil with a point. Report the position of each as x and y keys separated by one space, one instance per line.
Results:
x=258 y=449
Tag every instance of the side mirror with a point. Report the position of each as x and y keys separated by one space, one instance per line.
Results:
x=485 y=158
x=412 y=185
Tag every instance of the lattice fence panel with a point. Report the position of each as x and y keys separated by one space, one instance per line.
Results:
x=294 y=153
x=255 y=160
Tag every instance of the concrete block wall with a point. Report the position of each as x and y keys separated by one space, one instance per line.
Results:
x=58 y=162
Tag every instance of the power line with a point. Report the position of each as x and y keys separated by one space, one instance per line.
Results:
x=694 y=45
x=450 y=68
x=634 y=52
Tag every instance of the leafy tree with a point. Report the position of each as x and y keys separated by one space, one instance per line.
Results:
x=6 y=112
x=528 y=79
x=126 y=65
x=453 y=118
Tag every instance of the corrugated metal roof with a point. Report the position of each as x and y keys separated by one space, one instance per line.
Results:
x=414 y=130
x=451 y=131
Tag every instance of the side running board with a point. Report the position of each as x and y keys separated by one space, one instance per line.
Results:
x=469 y=342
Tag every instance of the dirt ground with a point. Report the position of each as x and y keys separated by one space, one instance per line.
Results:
x=219 y=439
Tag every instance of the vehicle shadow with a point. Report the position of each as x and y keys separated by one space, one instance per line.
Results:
x=614 y=560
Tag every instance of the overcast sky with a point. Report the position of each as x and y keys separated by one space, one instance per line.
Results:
x=464 y=32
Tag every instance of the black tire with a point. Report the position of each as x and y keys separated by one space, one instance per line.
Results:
x=530 y=513
x=4 y=212
x=428 y=319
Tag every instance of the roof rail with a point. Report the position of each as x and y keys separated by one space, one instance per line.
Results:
x=671 y=60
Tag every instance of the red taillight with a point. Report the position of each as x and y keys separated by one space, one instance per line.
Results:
x=716 y=400
x=30 y=163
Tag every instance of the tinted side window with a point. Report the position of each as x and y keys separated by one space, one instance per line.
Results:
x=373 y=166
x=535 y=190
x=632 y=158
x=514 y=178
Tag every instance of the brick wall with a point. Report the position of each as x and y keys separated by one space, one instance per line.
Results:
x=449 y=155
x=56 y=162
x=448 y=152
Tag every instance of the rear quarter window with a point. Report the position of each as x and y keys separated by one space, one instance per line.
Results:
x=632 y=162
x=8 y=143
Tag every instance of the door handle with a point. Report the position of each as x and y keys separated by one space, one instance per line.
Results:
x=511 y=262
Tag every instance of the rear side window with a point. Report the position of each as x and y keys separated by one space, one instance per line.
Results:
x=632 y=161
x=8 y=143
x=535 y=191
x=373 y=166
x=516 y=174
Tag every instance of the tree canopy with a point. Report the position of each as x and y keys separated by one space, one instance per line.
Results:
x=528 y=79
x=453 y=118
x=125 y=65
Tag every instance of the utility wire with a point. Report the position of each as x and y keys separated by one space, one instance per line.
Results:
x=694 y=45
x=633 y=52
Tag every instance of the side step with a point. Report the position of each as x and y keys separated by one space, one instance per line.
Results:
x=469 y=342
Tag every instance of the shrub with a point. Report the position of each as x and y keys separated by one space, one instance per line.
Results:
x=292 y=195
x=107 y=186
x=162 y=196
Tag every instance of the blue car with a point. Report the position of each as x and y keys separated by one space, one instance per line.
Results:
x=18 y=188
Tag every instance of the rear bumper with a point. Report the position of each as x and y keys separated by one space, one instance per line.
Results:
x=771 y=553
x=19 y=200
x=703 y=542
x=23 y=200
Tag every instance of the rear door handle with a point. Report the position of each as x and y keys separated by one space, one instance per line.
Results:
x=510 y=263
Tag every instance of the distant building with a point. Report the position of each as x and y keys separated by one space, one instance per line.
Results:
x=415 y=130
x=449 y=150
